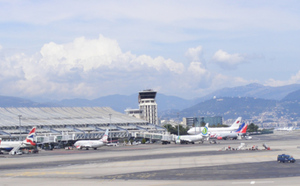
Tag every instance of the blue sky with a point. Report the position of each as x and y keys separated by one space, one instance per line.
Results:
x=89 y=49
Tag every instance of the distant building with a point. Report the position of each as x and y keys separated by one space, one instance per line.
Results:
x=215 y=120
x=137 y=113
x=190 y=121
x=148 y=106
x=198 y=121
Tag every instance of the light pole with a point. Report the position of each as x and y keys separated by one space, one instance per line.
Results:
x=178 y=122
x=20 y=126
x=110 y=128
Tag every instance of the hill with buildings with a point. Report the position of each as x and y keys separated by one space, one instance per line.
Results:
x=228 y=107
x=293 y=96
x=254 y=90
x=253 y=102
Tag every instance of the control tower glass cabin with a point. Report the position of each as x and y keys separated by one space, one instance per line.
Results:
x=148 y=104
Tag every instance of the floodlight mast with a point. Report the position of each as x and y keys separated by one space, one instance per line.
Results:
x=20 y=116
x=110 y=128
x=178 y=122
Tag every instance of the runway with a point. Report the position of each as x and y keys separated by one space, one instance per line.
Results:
x=155 y=164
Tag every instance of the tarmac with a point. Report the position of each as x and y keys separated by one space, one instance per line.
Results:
x=156 y=164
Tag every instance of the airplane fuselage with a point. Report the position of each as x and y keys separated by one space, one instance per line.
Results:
x=225 y=135
x=92 y=143
x=191 y=138
x=233 y=127
x=197 y=130
x=9 y=145
x=89 y=144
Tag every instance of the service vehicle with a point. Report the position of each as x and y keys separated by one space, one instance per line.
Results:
x=285 y=158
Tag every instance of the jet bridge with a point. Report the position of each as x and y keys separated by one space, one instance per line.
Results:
x=138 y=127
x=155 y=136
x=51 y=130
x=96 y=128
x=75 y=129
x=5 y=133
x=157 y=127
x=117 y=127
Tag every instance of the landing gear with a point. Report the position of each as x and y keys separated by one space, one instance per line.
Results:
x=213 y=141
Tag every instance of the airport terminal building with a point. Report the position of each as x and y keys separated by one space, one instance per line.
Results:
x=71 y=123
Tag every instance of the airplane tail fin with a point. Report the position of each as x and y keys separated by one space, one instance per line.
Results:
x=236 y=123
x=244 y=130
x=105 y=136
x=30 y=137
x=240 y=128
x=205 y=130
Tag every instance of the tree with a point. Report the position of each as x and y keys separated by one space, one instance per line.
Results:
x=143 y=141
x=170 y=129
x=203 y=123
x=252 y=128
x=183 y=130
x=174 y=130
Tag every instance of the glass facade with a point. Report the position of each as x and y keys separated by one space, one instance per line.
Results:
x=198 y=121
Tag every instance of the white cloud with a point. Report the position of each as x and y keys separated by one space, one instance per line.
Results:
x=194 y=53
x=197 y=69
x=83 y=68
x=227 y=61
x=90 y=68
x=87 y=67
x=216 y=14
x=101 y=53
x=88 y=54
x=295 y=79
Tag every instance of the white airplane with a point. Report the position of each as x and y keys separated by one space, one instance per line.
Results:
x=193 y=138
x=285 y=129
x=92 y=143
x=230 y=134
x=233 y=127
x=28 y=142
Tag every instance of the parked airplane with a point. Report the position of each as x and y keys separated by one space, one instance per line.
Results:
x=231 y=134
x=214 y=134
x=285 y=129
x=194 y=138
x=92 y=143
x=28 y=142
x=233 y=127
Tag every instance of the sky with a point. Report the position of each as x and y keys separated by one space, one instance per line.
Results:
x=89 y=49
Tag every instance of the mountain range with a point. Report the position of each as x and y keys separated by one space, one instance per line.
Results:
x=246 y=100
x=254 y=90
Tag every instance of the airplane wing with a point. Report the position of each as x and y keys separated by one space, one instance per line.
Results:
x=185 y=139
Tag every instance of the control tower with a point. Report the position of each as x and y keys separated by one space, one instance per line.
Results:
x=148 y=105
